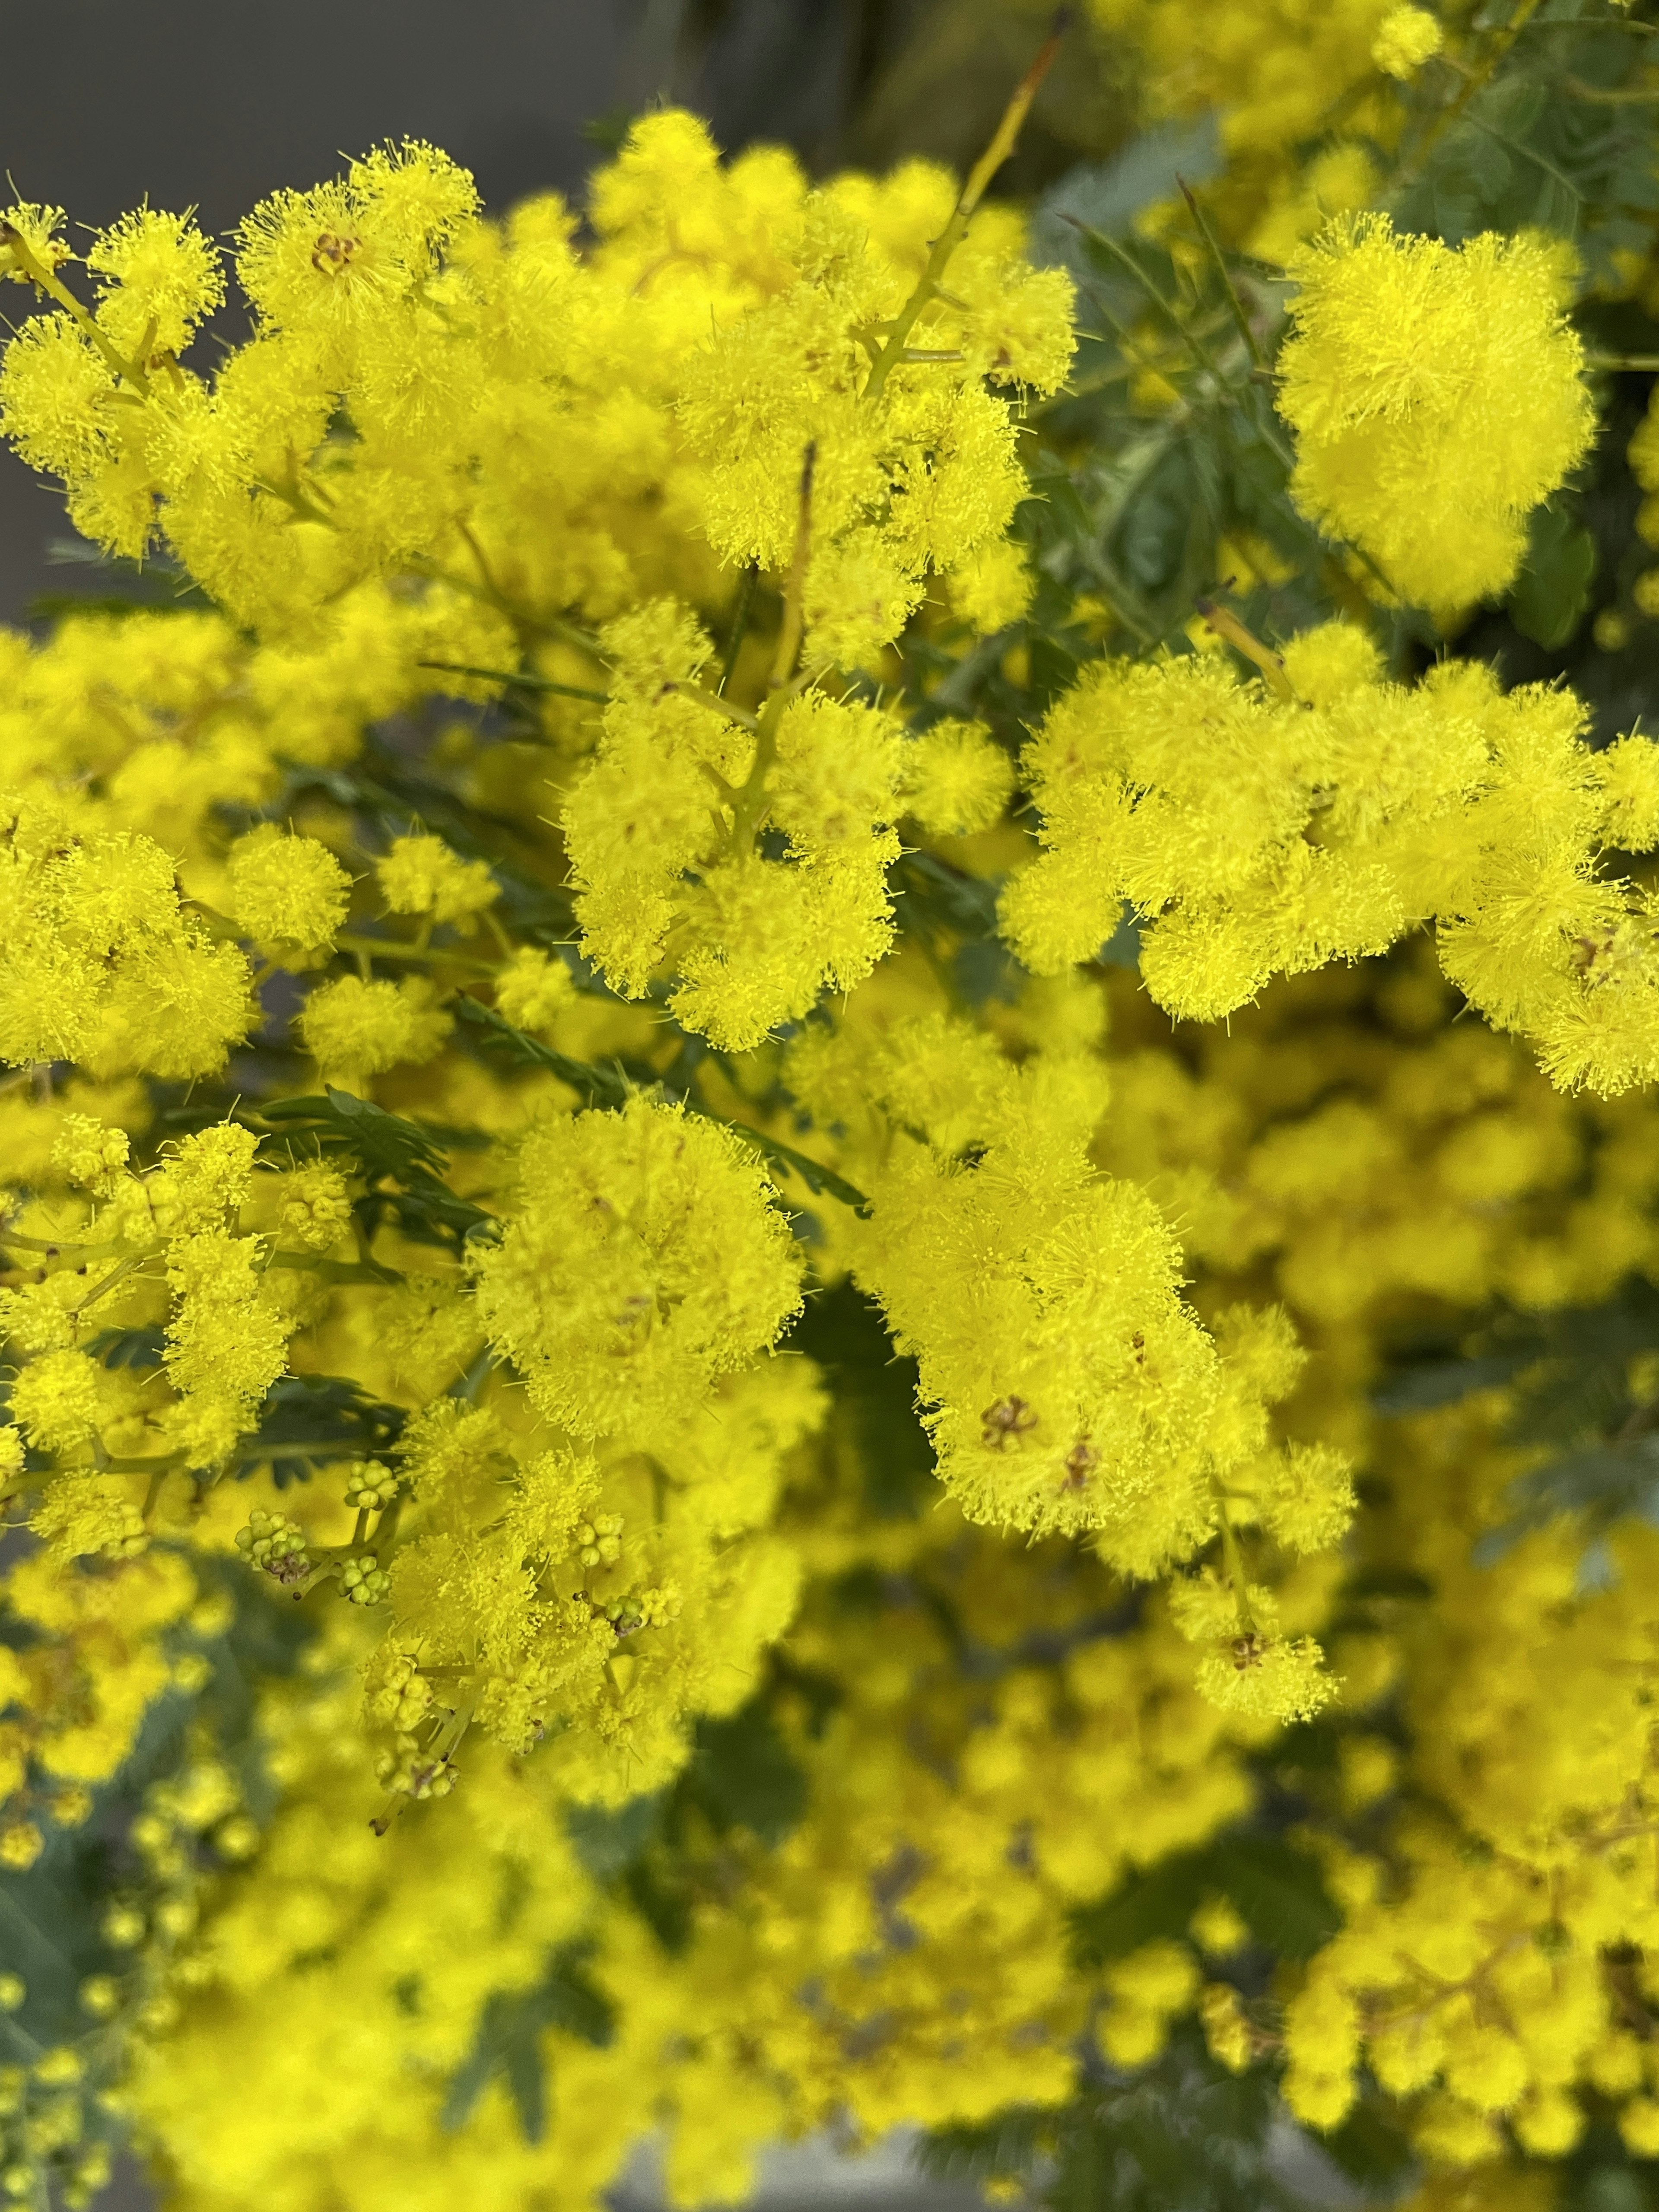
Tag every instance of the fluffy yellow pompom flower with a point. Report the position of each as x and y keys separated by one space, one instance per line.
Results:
x=98 y=961
x=957 y=779
x=1071 y=1388
x=325 y=260
x=859 y=597
x=1406 y=38
x=1261 y=836
x=163 y=278
x=355 y=1029
x=90 y=1153
x=993 y=587
x=286 y=890
x=533 y=988
x=1436 y=399
x=38 y=226
x=55 y=1401
x=84 y=1513
x=1248 y=1668
x=55 y=398
x=662 y=843
x=421 y=875
x=226 y=1340
x=642 y=1257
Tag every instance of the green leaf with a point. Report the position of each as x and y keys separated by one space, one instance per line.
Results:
x=874 y=1391
x=1276 y=1890
x=609 y=1840
x=1108 y=196
x=384 y=1144
x=387 y=1150
x=307 y=1419
x=1122 y=948
x=129 y=1347
x=1182 y=2134
x=1605 y=1483
x=598 y=1086
x=382 y=784
x=508 y=2040
x=940 y=898
x=1279 y=1892
x=1145 y=1907
x=1372 y=2149
x=1419 y=1390
x=1547 y=600
x=1007 y=2145
x=820 y=1181
x=742 y=1775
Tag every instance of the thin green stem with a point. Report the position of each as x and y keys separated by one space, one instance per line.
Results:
x=750 y=810
x=154 y=1468
x=1234 y=302
x=52 y=1251
x=740 y=624
x=713 y=702
x=293 y=498
x=386 y=948
x=337 y=1271
x=1580 y=90
x=48 y=281
x=928 y=288
x=117 y=1274
x=1234 y=1560
x=520 y=680
x=1200 y=354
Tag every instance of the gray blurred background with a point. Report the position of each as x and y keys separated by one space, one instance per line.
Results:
x=196 y=102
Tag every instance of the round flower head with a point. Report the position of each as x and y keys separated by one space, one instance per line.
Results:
x=1405 y=39
x=97 y=959
x=163 y=278
x=55 y=1401
x=641 y=1256
x=355 y=1029
x=286 y=890
x=325 y=260
x=421 y=875
x=957 y=779
x=1436 y=399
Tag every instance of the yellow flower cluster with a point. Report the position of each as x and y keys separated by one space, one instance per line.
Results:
x=559 y=1084
x=1266 y=829
x=1436 y=399
x=640 y=1259
x=662 y=828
